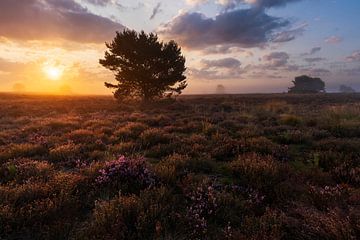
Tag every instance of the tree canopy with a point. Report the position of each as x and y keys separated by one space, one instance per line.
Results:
x=346 y=89
x=306 y=84
x=144 y=67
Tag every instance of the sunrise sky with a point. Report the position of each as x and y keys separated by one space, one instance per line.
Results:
x=53 y=46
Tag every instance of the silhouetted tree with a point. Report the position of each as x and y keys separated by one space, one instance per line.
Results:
x=19 y=87
x=144 y=67
x=306 y=84
x=220 y=89
x=346 y=89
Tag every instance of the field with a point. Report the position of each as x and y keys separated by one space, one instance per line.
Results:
x=202 y=167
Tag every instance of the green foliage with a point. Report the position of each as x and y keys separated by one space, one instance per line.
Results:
x=143 y=66
x=306 y=84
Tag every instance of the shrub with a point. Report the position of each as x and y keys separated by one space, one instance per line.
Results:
x=261 y=172
x=21 y=151
x=153 y=136
x=291 y=120
x=129 y=175
x=171 y=167
x=67 y=154
x=82 y=136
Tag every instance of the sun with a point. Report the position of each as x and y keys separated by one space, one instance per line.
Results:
x=53 y=72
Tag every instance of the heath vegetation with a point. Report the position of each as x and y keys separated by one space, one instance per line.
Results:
x=214 y=167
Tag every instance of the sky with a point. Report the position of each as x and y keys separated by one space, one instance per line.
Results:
x=246 y=46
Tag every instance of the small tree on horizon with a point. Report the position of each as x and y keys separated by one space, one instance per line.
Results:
x=306 y=84
x=144 y=67
x=346 y=89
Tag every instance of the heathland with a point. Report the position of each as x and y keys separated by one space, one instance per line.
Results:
x=202 y=167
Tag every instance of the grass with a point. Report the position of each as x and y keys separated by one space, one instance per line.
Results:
x=202 y=167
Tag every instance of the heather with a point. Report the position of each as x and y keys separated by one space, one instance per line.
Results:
x=201 y=167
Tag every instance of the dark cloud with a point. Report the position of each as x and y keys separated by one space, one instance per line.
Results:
x=354 y=57
x=315 y=59
x=227 y=49
x=315 y=50
x=311 y=52
x=276 y=59
x=244 y=28
x=289 y=35
x=272 y=3
x=156 y=11
x=225 y=68
x=99 y=2
x=231 y=4
x=222 y=63
x=53 y=19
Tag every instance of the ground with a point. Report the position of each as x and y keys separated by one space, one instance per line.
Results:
x=202 y=167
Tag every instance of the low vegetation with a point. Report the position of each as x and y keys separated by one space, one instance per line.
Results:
x=216 y=167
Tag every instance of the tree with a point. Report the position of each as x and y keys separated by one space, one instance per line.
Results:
x=346 y=89
x=306 y=84
x=144 y=67
x=220 y=89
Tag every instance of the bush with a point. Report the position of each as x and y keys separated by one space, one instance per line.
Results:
x=261 y=172
x=21 y=151
x=129 y=175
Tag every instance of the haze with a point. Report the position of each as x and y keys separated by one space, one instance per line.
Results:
x=53 y=46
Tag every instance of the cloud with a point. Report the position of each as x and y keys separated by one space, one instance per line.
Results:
x=53 y=19
x=354 y=57
x=156 y=11
x=230 y=4
x=225 y=68
x=225 y=49
x=289 y=35
x=311 y=52
x=196 y=2
x=315 y=50
x=244 y=28
x=276 y=59
x=316 y=72
x=333 y=40
x=315 y=59
x=222 y=63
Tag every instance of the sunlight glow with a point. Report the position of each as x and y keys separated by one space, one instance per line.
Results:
x=53 y=72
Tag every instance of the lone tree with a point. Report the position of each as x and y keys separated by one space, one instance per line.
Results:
x=346 y=89
x=306 y=84
x=144 y=67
